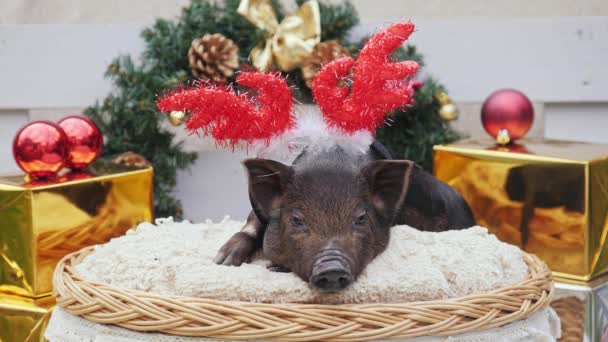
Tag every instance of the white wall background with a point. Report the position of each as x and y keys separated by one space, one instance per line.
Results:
x=144 y=11
x=53 y=55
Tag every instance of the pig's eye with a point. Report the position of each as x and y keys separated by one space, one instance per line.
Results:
x=296 y=221
x=361 y=219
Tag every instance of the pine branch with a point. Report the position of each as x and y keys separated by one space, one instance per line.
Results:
x=337 y=20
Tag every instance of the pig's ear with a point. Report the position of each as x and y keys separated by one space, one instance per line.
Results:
x=388 y=181
x=267 y=179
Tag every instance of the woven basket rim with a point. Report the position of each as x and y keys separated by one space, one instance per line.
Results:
x=237 y=320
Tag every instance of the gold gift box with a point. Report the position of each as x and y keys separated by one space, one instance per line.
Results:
x=24 y=319
x=40 y=222
x=549 y=197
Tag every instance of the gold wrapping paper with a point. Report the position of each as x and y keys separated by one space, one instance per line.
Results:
x=41 y=222
x=549 y=197
x=23 y=318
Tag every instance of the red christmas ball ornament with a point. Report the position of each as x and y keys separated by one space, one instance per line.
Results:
x=417 y=84
x=40 y=149
x=84 y=141
x=507 y=115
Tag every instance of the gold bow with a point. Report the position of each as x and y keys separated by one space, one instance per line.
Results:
x=287 y=44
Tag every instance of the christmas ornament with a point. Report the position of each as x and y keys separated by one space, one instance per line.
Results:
x=507 y=115
x=443 y=98
x=322 y=54
x=40 y=149
x=213 y=57
x=287 y=44
x=84 y=141
x=447 y=111
x=177 y=117
x=503 y=137
x=350 y=114
x=417 y=84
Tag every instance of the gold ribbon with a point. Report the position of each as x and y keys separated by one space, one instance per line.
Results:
x=289 y=43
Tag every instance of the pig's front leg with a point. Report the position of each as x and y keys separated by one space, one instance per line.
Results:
x=242 y=245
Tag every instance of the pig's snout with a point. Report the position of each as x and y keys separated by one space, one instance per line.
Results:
x=331 y=273
x=332 y=280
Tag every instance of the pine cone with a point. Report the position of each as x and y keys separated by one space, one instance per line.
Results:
x=322 y=54
x=214 y=57
x=131 y=159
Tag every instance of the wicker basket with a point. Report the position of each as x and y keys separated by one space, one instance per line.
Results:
x=186 y=316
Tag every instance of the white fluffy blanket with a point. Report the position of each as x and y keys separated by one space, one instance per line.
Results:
x=176 y=259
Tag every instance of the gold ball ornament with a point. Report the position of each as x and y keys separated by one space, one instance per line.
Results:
x=448 y=112
x=177 y=118
x=443 y=98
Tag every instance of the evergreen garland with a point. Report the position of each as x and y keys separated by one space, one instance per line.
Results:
x=130 y=121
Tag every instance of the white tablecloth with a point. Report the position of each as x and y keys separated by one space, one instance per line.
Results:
x=544 y=326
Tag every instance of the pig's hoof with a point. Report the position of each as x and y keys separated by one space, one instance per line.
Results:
x=239 y=249
x=278 y=268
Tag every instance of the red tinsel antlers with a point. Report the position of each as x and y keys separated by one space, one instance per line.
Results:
x=233 y=118
x=378 y=86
